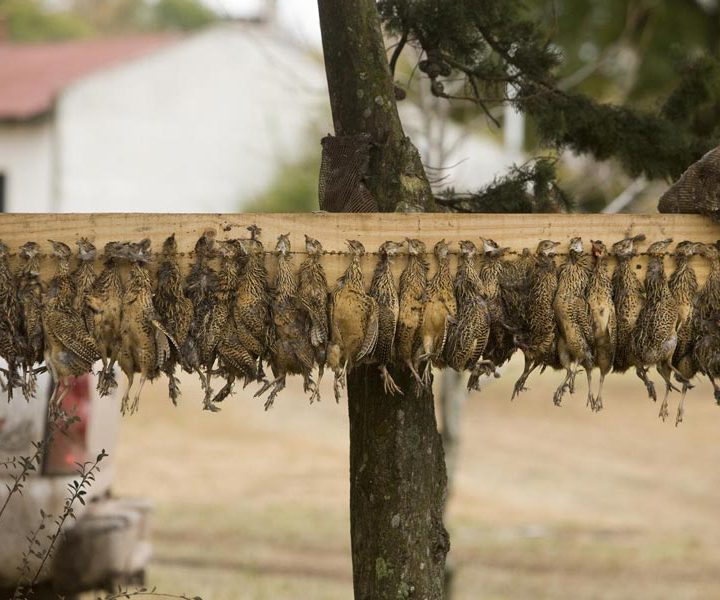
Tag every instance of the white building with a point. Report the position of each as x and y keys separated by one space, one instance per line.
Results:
x=159 y=123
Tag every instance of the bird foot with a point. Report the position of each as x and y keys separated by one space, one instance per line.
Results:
x=519 y=387
x=559 y=393
x=679 y=416
x=598 y=404
x=664 y=410
x=389 y=384
x=224 y=392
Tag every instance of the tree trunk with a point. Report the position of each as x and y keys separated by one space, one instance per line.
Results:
x=398 y=481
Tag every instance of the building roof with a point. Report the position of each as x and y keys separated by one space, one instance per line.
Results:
x=32 y=75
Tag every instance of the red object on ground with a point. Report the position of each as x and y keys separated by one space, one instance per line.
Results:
x=68 y=445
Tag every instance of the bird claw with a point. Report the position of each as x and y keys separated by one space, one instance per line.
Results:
x=389 y=385
x=664 y=410
x=679 y=416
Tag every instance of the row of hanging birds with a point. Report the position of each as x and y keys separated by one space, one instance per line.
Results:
x=225 y=320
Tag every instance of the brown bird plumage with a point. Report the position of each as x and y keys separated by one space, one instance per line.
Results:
x=705 y=310
x=684 y=287
x=385 y=294
x=84 y=278
x=539 y=342
x=353 y=320
x=602 y=316
x=412 y=291
x=145 y=343
x=10 y=321
x=292 y=352
x=655 y=335
x=468 y=335
x=572 y=314
x=30 y=291
x=69 y=349
x=175 y=311
x=105 y=300
x=314 y=296
x=707 y=352
x=439 y=311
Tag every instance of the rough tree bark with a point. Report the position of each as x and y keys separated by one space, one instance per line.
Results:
x=397 y=469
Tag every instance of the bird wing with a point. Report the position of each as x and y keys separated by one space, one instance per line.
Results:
x=69 y=330
x=371 y=329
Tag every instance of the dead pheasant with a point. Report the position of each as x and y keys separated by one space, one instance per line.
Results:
x=706 y=351
x=572 y=314
x=314 y=295
x=706 y=315
x=539 y=342
x=69 y=349
x=30 y=291
x=468 y=336
x=412 y=292
x=655 y=335
x=353 y=320
x=602 y=316
x=385 y=294
x=439 y=311
x=105 y=302
x=10 y=335
x=684 y=287
x=145 y=342
x=292 y=351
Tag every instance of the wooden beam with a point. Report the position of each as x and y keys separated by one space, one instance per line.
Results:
x=332 y=229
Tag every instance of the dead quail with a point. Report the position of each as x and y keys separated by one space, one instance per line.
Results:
x=539 y=342
x=602 y=316
x=501 y=345
x=572 y=314
x=705 y=311
x=314 y=295
x=84 y=278
x=200 y=288
x=515 y=280
x=655 y=335
x=220 y=340
x=706 y=351
x=385 y=294
x=145 y=344
x=440 y=309
x=30 y=291
x=413 y=284
x=353 y=320
x=292 y=351
x=468 y=336
x=10 y=335
x=252 y=304
x=69 y=349
x=629 y=298
x=105 y=301
x=175 y=311
x=684 y=287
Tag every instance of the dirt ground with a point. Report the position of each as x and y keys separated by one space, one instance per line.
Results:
x=548 y=502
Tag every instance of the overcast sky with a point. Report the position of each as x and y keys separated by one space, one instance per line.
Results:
x=298 y=16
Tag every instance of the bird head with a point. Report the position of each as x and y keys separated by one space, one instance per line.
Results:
x=116 y=250
x=139 y=252
x=598 y=248
x=467 y=248
x=547 y=248
x=415 y=247
x=390 y=248
x=60 y=249
x=29 y=250
x=625 y=248
x=283 y=244
x=687 y=249
x=659 y=248
x=441 y=250
x=86 y=249
x=205 y=246
x=576 y=245
x=255 y=231
x=710 y=251
x=356 y=248
x=312 y=246
x=228 y=248
x=170 y=246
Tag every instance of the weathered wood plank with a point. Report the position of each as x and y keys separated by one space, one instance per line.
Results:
x=514 y=230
